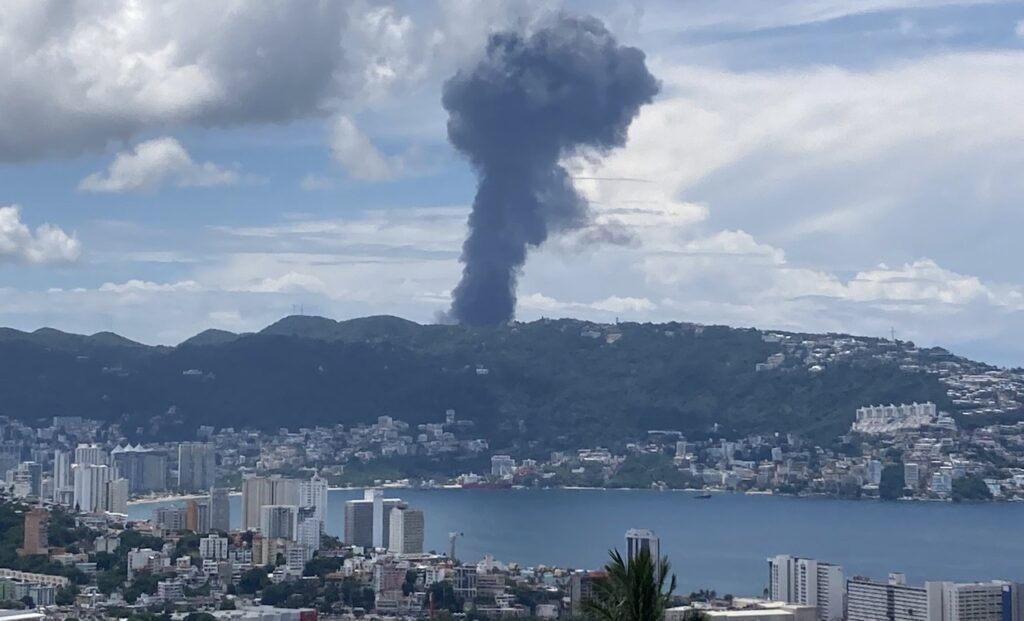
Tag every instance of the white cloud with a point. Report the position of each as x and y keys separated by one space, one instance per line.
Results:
x=362 y=160
x=315 y=183
x=290 y=281
x=91 y=73
x=1020 y=29
x=155 y=163
x=147 y=286
x=47 y=244
x=841 y=167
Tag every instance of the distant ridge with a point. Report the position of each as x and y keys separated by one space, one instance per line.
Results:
x=211 y=336
x=50 y=337
x=550 y=384
x=373 y=328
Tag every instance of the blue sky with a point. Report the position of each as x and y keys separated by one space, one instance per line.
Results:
x=819 y=165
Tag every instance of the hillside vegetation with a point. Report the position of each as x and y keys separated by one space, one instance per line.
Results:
x=547 y=384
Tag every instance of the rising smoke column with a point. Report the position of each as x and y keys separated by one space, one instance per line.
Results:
x=529 y=102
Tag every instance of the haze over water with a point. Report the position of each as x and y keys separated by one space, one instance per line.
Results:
x=720 y=543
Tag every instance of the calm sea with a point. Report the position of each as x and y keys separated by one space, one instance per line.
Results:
x=720 y=543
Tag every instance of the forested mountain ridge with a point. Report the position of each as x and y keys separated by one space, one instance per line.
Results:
x=550 y=383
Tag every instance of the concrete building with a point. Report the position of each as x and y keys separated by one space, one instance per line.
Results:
x=29 y=476
x=90 y=487
x=308 y=528
x=464 y=582
x=894 y=600
x=214 y=547
x=642 y=539
x=406 y=531
x=980 y=601
x=196 y=466
x=90 y=455
x=279 y=521
x=220 y=510
x=581 y=585
x=808 y=582
x=170 y=590
x=145 y=469
x=912 y=475
x=197 y=516
x=35 y=537
x=258 y=492
x=313 y=493
x=117 y=496
x=773 y=612
x=170 y=519
x=368 y=521
x=502 y=466
x=63 y=489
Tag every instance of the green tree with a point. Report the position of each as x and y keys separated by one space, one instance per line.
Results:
x=970 y=487
x=253 y=580
x=891 y=485
x=443 y=596
x=638 y=590
x=65 y=596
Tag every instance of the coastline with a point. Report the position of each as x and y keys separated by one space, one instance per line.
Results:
x=185 y=497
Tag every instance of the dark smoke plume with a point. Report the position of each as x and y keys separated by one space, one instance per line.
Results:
x=529 y=102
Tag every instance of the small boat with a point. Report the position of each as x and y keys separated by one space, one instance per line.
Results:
x=702 y=496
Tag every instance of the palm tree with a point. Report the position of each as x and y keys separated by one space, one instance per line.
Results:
x=632 y=591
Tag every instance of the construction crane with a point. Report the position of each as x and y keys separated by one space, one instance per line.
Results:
x=452 y=536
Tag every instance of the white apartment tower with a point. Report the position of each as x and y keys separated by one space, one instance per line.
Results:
x=90 y=487
x=313 y=493
x=63 y=489
x=810 y=583
x=90 y=455
x=895 y=600
x=259 y=492
x=406 y=536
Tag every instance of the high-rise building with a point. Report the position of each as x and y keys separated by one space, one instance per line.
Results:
x=35 y=538
x=117 y=496
x=308 y=528
x=640 y=539
x=145 y=469
x=368 y=521
x=220 y=510
x=978 y=601
x=196 y=466
x=895 y=600
x=33 y=472
x=197 y=516
x=313 y=493
x=63 y=489
x=279 y=521
x=10 y=457
x=90 y=487
x=808 y=582
x=259 y=492
x=170 y=519
x=406 y=531
x=90 y=455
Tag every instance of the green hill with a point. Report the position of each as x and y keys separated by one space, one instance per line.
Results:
x=546 y=384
